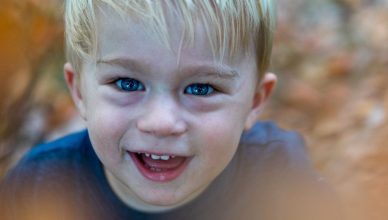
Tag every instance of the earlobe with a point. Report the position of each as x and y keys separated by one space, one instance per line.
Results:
x=72 y=81
x=262 y=94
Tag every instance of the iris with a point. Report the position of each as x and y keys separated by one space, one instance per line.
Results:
x=199 y=89
x=130 y=85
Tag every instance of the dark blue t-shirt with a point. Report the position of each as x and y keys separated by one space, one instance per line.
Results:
x=269 y=178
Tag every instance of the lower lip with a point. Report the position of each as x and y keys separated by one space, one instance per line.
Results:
x=159 y=176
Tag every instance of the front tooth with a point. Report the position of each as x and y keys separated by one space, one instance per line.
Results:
x=147 y=155
x=165 y=157
x=155 y=157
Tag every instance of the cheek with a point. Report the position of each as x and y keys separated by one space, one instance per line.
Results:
x=107 y=127
x=220 y=141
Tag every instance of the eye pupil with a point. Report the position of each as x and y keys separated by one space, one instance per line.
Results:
x=200 y=89
x=129 y=84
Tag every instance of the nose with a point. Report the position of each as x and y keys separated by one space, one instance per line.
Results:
x=162 y=117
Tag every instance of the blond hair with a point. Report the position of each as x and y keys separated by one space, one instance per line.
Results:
x=231 y=25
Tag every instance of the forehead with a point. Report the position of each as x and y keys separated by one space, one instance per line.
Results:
x=118 y=32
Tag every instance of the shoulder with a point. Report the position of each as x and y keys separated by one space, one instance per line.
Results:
x=266 y=131
x=58 y=148
x=267 y=144
x=276 y=155
x=44 y=174
x=275 y=168
x=48 y=160
x=54 y=154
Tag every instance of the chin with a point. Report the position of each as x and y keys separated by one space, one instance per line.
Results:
x=164 y=200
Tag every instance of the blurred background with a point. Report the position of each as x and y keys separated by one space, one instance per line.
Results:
x=331 y=57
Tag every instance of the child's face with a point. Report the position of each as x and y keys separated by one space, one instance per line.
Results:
x=189 y=110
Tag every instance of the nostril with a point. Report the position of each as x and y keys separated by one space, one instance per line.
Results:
x=162 y=127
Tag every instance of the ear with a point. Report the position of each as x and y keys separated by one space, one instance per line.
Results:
x=73 y=83
x=261 y=95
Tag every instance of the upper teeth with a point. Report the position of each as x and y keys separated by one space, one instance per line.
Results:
x=159 y=157
x=155 y=157
x=165 y=157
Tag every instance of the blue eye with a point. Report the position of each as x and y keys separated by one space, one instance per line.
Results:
x=130 y=85
x=199 y=89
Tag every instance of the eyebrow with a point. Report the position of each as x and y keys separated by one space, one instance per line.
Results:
x=201 y=70
x=218 y=71
x=127 y=63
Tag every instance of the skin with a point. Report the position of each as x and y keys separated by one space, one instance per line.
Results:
x=164 y=116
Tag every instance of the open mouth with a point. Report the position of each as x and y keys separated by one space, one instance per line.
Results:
x=159 y=167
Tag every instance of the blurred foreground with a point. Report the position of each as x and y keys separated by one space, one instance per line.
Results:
x=331 y=58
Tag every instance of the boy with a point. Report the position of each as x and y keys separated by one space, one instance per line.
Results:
x=170 y=92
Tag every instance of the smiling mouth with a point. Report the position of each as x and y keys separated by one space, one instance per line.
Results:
x=159 y=167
